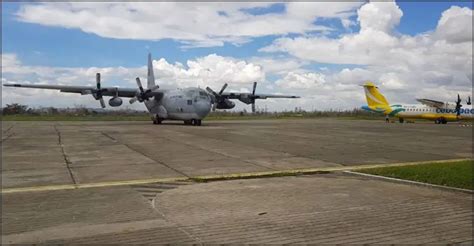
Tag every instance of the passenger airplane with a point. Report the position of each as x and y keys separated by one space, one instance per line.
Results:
x=440 y=112
x=190 y=105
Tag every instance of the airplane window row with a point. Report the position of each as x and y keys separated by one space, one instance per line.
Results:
x=420 y=110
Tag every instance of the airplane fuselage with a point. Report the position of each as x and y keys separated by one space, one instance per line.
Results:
x=190 y=105
x=181 y=104
x=447 y=113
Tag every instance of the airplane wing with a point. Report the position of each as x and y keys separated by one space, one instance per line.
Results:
x=87 y=90
x=238 y=95
x=431 y=103
x=221 y=98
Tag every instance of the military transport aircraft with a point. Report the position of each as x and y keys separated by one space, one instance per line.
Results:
x=190 y=105
x=438 y=111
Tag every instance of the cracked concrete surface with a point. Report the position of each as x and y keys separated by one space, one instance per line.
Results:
x=324 y=208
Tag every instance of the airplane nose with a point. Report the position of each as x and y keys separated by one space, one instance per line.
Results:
x=203 y=108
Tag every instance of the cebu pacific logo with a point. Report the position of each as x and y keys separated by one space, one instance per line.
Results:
x=453 y=111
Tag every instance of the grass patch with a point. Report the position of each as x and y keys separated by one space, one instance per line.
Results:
x=453 y=174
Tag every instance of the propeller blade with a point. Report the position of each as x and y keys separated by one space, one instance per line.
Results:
x=154 y=88
x=139 y=83
x=133 y=100
x=223 y=88
x=211 y=91
x=469 y=100
x=458 y=106
x=254 y=87
x=253 y=107
x=102 y=103
x=97 y=80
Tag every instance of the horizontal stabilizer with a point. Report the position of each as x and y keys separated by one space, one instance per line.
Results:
x=431 y=103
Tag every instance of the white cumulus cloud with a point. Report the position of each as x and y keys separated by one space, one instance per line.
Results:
x=194 y=24
x=410 y=66
x=211 y=70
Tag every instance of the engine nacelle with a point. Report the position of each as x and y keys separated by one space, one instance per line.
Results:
x=115 y=101
x=226 y=104
x=245 y=98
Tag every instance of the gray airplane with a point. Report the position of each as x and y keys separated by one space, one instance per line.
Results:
x=190 y=105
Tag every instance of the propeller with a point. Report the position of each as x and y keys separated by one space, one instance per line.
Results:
x=253 y=96
x=217 y=96
x=98 y=93
x=458 y=106
x=142 y=94
x=247 y=98
x=468 y=100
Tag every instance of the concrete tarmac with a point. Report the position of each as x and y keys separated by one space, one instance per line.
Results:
x=323 y=208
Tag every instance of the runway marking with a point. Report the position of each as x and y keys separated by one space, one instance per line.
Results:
x=205 y=178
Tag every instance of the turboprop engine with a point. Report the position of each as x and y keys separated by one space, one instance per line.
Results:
x=225 y=104
x=115 y=101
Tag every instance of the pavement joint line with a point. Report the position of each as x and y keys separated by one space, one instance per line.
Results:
x=213 y=151
x=404 y=181
x=208 y=178
x=9 y=128
x=156 y=161
x=66 y=159
x=91 y=185
x=6 y=138
x=108 y=136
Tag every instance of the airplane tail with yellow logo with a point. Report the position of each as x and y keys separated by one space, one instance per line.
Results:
x=373 y=96
x=375 y=100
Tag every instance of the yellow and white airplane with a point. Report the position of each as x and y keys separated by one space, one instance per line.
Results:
x=438 y=111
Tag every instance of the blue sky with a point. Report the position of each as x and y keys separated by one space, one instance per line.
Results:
x=276 y=42
x=56 y=46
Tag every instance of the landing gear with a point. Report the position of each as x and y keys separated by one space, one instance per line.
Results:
x=193 y=122
x=441 y=121
x=401 y=120
x=157 y=120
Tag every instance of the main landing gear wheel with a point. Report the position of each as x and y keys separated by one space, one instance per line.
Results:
x=441 y=121
x=193 y=122
x=157 y=120
x=401 y=120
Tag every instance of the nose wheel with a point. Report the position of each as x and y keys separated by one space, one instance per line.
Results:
x=193 y=122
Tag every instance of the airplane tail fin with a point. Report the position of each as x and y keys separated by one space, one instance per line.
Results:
x=150 y=76
x=373 y=95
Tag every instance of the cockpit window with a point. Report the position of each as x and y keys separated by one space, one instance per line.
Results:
x=190 y=93
x=202 y=93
